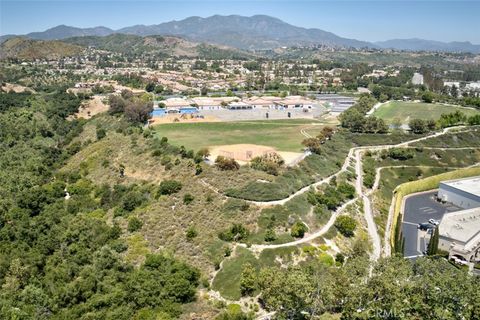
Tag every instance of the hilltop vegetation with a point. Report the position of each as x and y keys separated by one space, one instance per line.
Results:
x=161 y=46
x=22 y=48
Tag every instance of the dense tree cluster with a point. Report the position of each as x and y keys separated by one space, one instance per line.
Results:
x=355 y=118
x=396 y=289
x=135 y=109
x=314 y=144
x=59 y=258
x=333 y=195
x=420 y=126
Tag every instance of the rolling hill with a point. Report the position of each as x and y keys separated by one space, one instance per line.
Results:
x=29 y=49
x=159 y=45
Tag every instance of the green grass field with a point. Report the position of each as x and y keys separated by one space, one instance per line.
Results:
x=405 y=111
x=284 y=135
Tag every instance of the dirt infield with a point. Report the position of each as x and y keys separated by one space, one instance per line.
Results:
x=243 y=153
x=173 y=118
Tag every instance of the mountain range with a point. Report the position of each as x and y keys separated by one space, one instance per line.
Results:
x=249 y=33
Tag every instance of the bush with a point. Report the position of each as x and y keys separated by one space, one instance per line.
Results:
x=235 y=233
x=101 y=133
x=270 y=235
x=134 y=224
x=346 y=225
x=400 y=154
x=132 y=200
x=298 y=229
x=188 y=198
x=270 y=163
x=191 y=233
x=248 y=280
x=168 y=187
x=224 y=163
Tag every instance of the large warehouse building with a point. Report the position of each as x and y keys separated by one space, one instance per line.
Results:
x=464 y=193
x=459 y=232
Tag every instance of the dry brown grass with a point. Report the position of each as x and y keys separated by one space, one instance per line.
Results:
x=92 y=107
x=166 y=219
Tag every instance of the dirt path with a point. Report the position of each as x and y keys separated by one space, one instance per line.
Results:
x=354 y=154
x=308 y=237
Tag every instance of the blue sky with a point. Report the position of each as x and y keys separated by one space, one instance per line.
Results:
x=364 y=20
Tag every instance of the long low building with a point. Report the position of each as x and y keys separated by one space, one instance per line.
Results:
x=464 y=193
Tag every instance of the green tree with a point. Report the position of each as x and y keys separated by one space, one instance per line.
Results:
x=427 y=97
x=432 y=248
x=298 y=229
x=418 y=126
x=168 y=187
x=346 y=225
x=248 y=279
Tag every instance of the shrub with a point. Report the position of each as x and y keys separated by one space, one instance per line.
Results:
x=188 y=198
x=191 y=233
x=224 y=163
x=270 y=163
x=347 y=190
x=101 y=133
x=132 y=200
x=346 y=225
x=235 y=233
x=298 y=229
x=168 y=187
x=340 y=258
x=270 y=235
x=134 y=224
x=248 y=279
x=400 y=154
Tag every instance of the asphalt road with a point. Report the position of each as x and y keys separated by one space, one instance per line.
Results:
x=419 y=209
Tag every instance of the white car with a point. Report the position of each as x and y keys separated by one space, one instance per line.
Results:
x=434 y=222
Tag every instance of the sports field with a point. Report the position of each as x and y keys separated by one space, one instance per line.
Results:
x=405 y=111
x=284 y=135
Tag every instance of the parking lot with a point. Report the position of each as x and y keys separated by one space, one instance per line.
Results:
x=260 y=113
x=419 y=209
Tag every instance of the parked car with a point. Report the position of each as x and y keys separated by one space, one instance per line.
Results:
x=434 y=222
x=459 y=261
x=425 y=226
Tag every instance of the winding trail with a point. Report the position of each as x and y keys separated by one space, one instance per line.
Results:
x=354 y=155
x=308 y=237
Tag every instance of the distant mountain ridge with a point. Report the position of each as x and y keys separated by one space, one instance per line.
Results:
x=256 y=32
x=249 y=33
x=415 y=44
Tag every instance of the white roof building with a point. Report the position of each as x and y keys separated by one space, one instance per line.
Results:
x=464 y=193
x=459 y=233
